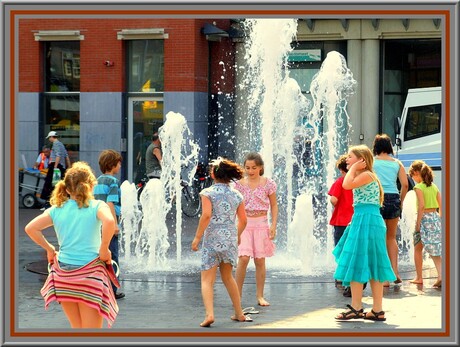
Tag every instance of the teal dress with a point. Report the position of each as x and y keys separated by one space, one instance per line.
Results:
x=361 y=253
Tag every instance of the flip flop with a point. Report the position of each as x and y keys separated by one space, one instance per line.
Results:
x=247 y=318
x=250 y=310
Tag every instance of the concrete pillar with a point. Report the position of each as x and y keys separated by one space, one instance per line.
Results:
x=354 y=63
x=370 y=90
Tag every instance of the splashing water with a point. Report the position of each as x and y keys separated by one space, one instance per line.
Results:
x=180 y=159
x=407 y=227
x=299 y=142
x=131 y=216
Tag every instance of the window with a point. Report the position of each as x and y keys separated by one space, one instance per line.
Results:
x=61 y=100
x=422 y=121
x=146 y=70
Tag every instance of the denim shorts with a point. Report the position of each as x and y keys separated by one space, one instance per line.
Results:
x=68 y=267
x=391 y=206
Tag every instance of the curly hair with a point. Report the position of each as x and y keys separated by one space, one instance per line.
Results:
x=225 y=170
x=79 y=182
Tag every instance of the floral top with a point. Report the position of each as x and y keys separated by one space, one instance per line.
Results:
x=367 y=194
x=257 y=199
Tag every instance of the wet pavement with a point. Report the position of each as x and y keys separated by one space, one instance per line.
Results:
x=171 y=300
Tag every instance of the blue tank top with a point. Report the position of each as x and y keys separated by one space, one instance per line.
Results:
x=387 y=172
x=78 y=231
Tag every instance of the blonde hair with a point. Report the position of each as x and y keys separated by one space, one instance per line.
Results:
x=362 y=151
x=78 y=181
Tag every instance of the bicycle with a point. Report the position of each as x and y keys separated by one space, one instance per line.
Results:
x=190 y=194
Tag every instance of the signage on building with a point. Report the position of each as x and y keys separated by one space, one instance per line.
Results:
x=305 y=55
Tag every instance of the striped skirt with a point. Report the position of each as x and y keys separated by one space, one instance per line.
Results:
x=89 y=284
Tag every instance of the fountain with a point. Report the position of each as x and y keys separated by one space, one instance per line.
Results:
x=299 y=140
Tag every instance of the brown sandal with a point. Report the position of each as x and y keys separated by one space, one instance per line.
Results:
x=352 y=314
x=375 y=316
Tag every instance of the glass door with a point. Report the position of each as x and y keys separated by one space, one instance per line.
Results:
x=145 y=116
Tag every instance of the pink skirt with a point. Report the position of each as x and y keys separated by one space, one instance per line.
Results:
x=255 y=239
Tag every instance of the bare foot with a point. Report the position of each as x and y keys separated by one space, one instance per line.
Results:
x=207 y=322
x=263 y=302
x=242 y=318
x=437 y=284
x=416 y=281
x=386 y=284
x=398 y=280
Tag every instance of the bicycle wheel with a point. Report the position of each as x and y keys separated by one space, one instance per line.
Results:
x=191 y=202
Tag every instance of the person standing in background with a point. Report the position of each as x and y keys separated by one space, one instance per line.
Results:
x=59 y=158
x=389 y=170
x=428 y=230
x=107 y=189
x=43 y=159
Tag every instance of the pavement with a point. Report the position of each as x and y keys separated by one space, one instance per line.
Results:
x=169 y=301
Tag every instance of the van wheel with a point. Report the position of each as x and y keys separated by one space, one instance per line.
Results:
x=29 y=201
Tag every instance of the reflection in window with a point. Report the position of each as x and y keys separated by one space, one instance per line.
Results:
x=422 y=121
x=62 y=66
x=62 y=114
x=61 y=100
x=146 y=70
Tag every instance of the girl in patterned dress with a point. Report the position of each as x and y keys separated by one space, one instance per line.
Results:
x=361 y=253
x=257 y=239
x=428 y=233
x=221 y=204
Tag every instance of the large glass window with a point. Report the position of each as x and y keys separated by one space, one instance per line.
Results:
x=61 y=100
x=422 y=121
x=407 y=64
x=145 y=60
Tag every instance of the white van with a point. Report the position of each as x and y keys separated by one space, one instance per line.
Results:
x=418 y=130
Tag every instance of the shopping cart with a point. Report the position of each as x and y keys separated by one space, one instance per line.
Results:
x=31 y=183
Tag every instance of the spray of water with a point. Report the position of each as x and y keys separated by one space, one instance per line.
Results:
x=299 y=142
x=180 y=159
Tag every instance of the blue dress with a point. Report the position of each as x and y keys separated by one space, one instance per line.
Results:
x=361 y=253
x=220 y=240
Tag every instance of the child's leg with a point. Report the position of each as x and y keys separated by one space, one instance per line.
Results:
x=208 y=277
x=72 y=313
x=241 y=268
x=437 y=260
x=260 y=281
x=418 y=262
x=90 y=317
x=232 y=289
x=377 y=298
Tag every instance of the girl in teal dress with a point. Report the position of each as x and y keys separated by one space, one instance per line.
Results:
x=361 y=253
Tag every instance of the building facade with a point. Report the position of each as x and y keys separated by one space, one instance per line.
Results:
x=108 y=83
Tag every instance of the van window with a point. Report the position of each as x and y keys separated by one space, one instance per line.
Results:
x=422 y=121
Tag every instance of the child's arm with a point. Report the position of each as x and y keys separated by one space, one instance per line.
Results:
x=34 y=230
x=438 y=198
x=274 y=215
x=112 y=211
x=421 y=208
x=402 y=176
x=108 y=227
x=206 y=212
x=242 y=220
x=353 y=179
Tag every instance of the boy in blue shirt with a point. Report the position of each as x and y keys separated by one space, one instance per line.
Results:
x=108 y=190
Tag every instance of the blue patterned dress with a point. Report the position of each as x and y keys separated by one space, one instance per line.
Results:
x=361 y=253
x=220 y=240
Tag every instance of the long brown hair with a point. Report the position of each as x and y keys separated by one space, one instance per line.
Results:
x=225 y=170
x=78 y=181
x=362 y=151
x=426 y=173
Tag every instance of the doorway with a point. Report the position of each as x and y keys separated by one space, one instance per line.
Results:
x=145 y=116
